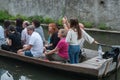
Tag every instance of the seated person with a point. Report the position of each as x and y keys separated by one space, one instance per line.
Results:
x=24 y=35
x=53 y=36
x=39 y=29
x=60 y=52
x=13 y=40
x=2 y=36
x=35 y=45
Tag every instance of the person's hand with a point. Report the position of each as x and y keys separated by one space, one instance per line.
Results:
x=96 y=42
x=64 y=20
x=45 y=52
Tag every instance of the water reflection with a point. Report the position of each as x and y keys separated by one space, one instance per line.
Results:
x=5 y=75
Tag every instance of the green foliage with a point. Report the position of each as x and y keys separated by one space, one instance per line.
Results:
x=4 y=15
x=48 y=20
x=18 y=16
x=40 y=18
x=59 y=21
x=88 y=24
x=102 y=26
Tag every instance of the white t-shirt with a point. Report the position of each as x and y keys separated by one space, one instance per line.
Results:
x=72 y=38
x=24 y=36
x=37 y=44
x=2 y=36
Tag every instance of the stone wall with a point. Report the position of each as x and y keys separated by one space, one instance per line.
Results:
x=97 y=11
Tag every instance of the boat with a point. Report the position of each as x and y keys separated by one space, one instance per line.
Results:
x=92 y=65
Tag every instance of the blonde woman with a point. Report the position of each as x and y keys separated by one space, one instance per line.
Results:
x=60 y=52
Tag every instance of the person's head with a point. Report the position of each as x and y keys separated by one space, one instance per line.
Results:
x=36 y=23
x=19 y=22
x=6 y=24
x=52 y=28
x=74 y=24
x=62 y=33
x=25 y=24
x=30 y=29
x=12 y=28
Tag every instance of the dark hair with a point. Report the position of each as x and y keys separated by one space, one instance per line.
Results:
x=6 y=24
x=75 y=24
x=36 y=23
x=12 y=28
x=19 y=22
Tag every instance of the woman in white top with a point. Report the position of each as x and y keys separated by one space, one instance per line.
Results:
x=75 y=37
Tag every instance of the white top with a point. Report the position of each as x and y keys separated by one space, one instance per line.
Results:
x=72 y=38
x=24 y=36
x=37 y=44
x=2 y=36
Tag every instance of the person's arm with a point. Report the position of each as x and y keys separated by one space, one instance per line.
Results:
x=9 y=41
x=88 y=38
x=52 y=51
x=26 y=47
x=66 y=24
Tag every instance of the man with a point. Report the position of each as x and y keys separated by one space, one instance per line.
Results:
x=24 y=35
x=35 y=45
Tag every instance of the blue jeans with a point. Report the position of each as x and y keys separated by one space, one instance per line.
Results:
x=28 y=53
x=74 y=51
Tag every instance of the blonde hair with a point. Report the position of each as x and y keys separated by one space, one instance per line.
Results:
x=63 y=32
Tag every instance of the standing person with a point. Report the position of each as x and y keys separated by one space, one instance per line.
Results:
x=74 y=37
x=2 y=36
x=39 y=29
x=53 y=36
x=24 y=35
x=60 y=52
x=35 y=45
x=13 y=40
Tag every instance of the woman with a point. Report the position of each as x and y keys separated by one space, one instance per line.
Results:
x=13 y=40
x=60 y=52
x=74 y=37
x=19 y=23
x=7 y=23
x=53 y=36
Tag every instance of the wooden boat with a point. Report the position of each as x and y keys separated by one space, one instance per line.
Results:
x=91 y=66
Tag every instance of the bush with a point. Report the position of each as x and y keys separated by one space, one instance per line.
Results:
x=4 y=15
x=48 y=20
x=18 y=16
x=59 y=21
x=40 y=18
x=88 y=24
x=102 y=26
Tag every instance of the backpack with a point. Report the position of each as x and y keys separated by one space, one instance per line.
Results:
x=112 y=54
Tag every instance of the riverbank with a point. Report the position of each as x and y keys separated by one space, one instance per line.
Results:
x=94 y=29
x=98 y=30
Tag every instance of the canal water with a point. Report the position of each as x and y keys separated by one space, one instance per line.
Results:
x=24 y=71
